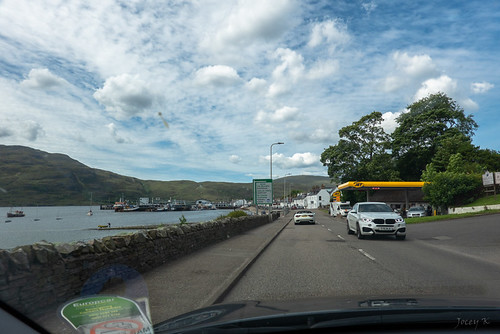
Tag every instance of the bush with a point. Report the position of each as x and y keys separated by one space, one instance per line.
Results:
x=236 y=214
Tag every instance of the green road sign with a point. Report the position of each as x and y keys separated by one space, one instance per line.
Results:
x=263 y=191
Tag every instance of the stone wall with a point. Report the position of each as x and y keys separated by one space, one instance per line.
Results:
x=45 y=274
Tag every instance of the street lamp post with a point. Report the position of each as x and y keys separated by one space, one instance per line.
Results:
x=271 y=168
x=284 y=189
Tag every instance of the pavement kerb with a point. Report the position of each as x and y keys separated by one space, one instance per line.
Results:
x=219 y=294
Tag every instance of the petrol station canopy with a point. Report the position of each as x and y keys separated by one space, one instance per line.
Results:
x=376 y=185
x=386 y=191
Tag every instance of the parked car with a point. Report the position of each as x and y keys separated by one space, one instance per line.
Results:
x=416 y=211
x=375 y=218
x=338 y=208
x=304 y=216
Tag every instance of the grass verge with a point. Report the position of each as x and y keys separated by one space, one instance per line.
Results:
x=418 y=220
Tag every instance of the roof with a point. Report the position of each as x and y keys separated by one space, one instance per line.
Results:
x=363 y=185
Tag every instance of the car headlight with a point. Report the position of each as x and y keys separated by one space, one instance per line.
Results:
x=367 y=220
x=400 y=220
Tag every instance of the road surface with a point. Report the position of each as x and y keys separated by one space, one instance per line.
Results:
x=459 y=258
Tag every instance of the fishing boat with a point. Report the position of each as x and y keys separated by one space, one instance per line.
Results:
x=17 y=213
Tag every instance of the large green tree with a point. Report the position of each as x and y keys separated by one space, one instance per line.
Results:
x=361 y=153
x=423 y=129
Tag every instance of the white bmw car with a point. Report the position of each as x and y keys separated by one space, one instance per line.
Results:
x=375 y=218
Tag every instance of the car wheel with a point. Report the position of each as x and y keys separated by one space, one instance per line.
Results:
x=349 y=231
x=358 y=232
x=401 y=237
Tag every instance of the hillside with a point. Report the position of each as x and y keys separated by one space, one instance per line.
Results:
x=31 y=177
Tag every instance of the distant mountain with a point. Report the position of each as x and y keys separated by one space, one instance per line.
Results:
x=31 y=177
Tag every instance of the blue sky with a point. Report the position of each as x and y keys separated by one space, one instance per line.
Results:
x=90 y=78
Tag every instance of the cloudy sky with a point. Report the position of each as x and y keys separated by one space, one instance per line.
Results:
x=199 y=90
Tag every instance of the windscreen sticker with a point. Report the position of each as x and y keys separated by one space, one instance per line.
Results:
x=106 y=314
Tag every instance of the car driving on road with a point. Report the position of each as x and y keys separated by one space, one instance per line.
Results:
x=375 y=218
x=304 y=216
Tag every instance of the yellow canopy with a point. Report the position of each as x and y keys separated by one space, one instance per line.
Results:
x=358 y=185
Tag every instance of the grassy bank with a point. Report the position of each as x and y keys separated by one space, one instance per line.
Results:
x=418 y=220
x=487 y=200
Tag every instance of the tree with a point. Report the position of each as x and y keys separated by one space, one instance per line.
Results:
x=448 y=146
x=459 y=184
x=361 y=152
x=421 y=130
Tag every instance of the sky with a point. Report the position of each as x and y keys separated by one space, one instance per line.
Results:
x=200 y=90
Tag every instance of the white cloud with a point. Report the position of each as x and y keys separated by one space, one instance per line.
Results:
x=33 y=130
x=406 y=70
x=369 y=6
x=126 y=95
x=481 y=87
x=235 y=159
x=468 y=104
x=251 y=21
x=331 y=32
x=323 y=69
x=443 y=84
x=114 y=133
x=298 y=160
x=42 y=79
x=286 y=74
x=389 y=123
x=217 y=75
x=256 y=85
x=284 y=114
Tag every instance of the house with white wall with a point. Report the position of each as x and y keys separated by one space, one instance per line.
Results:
x=320 y=198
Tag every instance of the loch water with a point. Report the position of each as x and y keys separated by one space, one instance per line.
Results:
x=71 y=223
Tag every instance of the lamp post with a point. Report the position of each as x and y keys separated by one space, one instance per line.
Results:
x=271 y=168
x=284 y=188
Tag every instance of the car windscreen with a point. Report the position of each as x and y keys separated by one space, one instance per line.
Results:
x=345 y=206
x=374 y=208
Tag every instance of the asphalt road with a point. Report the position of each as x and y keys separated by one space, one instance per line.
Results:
x=459 y=258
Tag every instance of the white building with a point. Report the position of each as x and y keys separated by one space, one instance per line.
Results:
x=318 y=199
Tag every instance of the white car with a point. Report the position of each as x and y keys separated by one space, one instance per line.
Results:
x=416 y=211
x=375 y=218
x=304 y=216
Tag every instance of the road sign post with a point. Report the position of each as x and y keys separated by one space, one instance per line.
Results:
x=263 y=192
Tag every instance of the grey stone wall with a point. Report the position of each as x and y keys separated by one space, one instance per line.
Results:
x=45 y=274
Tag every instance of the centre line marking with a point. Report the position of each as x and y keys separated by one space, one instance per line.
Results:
x=338 y=235
x=366 y=254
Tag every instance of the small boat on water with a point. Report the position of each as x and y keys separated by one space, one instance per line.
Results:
x=90 y=213
x=17 y=213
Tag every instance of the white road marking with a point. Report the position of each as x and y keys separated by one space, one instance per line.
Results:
x=366 y=254
x=340 y=237
x=329 y=229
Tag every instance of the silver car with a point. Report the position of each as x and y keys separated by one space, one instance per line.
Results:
x=416 y=211
x=375 y=218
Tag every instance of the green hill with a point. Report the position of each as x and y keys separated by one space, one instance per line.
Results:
x=30 y=177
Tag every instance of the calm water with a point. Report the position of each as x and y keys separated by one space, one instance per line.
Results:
x=71 y=223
